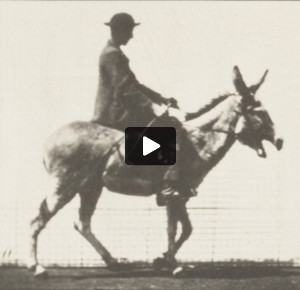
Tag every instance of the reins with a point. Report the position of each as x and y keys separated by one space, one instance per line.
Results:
x=189 y=117
x=148 y=126
x=118 y=142
x=220 y=130
x=215 y=130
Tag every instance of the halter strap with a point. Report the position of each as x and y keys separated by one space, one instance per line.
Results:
x=220 y=130
x=225 y=132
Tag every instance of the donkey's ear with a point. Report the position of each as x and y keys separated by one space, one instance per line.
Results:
x=239 y=83
x=255 y=87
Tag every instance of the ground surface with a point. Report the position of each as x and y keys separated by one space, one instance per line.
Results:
x=215 y=278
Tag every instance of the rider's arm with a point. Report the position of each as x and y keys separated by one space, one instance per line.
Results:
x=125 y=80
x=126 y=88
x=158 y=98
x=154 y=96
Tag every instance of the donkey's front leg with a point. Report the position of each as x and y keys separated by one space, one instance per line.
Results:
x=176 y=212
x=172 y=230
x=186 y=231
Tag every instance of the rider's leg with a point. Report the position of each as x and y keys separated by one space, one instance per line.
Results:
x=172 y=180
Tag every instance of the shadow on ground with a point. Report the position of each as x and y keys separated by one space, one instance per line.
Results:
x=144 y=277
x=197 y=271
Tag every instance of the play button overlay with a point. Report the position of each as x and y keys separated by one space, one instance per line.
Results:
x=150 y=146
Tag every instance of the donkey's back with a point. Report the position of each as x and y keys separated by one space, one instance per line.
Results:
x=78 y=145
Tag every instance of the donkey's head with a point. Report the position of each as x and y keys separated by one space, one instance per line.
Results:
x=255 y=123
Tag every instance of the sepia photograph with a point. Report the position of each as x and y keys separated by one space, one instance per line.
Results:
x=150 y=145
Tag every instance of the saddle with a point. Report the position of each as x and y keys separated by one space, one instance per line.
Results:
x=129 y=179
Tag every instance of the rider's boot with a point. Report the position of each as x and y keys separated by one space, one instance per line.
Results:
x=164 y=196
x=170 y=192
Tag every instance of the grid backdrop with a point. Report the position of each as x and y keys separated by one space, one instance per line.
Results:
x=247 y=208
x=233 y=219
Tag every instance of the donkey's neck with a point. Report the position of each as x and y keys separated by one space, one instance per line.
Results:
x=213 y=133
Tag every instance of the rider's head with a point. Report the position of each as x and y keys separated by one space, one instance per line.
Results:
x=121 y=26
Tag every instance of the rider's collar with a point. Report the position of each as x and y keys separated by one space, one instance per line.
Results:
x=111 y=43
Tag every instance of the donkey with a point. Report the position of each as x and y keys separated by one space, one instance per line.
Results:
x=76 y=159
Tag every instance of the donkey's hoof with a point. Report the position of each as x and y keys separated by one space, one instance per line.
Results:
x=159 y=264
x=31 y=265
x=40 y=272
x=179 y=272
x=183 y=271
x=31 y=268
x=114 y=267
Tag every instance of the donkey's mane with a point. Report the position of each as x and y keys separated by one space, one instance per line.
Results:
x=213 y=103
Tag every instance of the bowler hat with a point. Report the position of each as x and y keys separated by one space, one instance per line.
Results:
x=121 y=20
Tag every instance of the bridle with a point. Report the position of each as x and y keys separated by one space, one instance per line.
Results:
x=244 y=113
x=232 y=133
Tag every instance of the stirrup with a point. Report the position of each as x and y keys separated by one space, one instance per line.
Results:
x=166 y=195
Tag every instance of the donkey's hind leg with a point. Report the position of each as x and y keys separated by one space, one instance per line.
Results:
x=186 y=230
x=48 y=208
x=88 y=202
x=176 y=212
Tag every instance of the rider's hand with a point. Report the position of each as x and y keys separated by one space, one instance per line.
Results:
x=173 y=103
x=159 y=110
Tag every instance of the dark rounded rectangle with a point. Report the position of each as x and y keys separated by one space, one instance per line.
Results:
x=134 y=142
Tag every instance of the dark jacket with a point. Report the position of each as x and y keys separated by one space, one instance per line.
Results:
x=121 y=100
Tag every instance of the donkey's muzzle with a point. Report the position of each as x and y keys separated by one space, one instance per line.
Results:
x=278 y=143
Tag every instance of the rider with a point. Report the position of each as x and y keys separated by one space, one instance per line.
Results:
x=123 y=102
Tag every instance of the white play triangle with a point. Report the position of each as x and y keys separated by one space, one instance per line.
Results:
x=149 y=146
